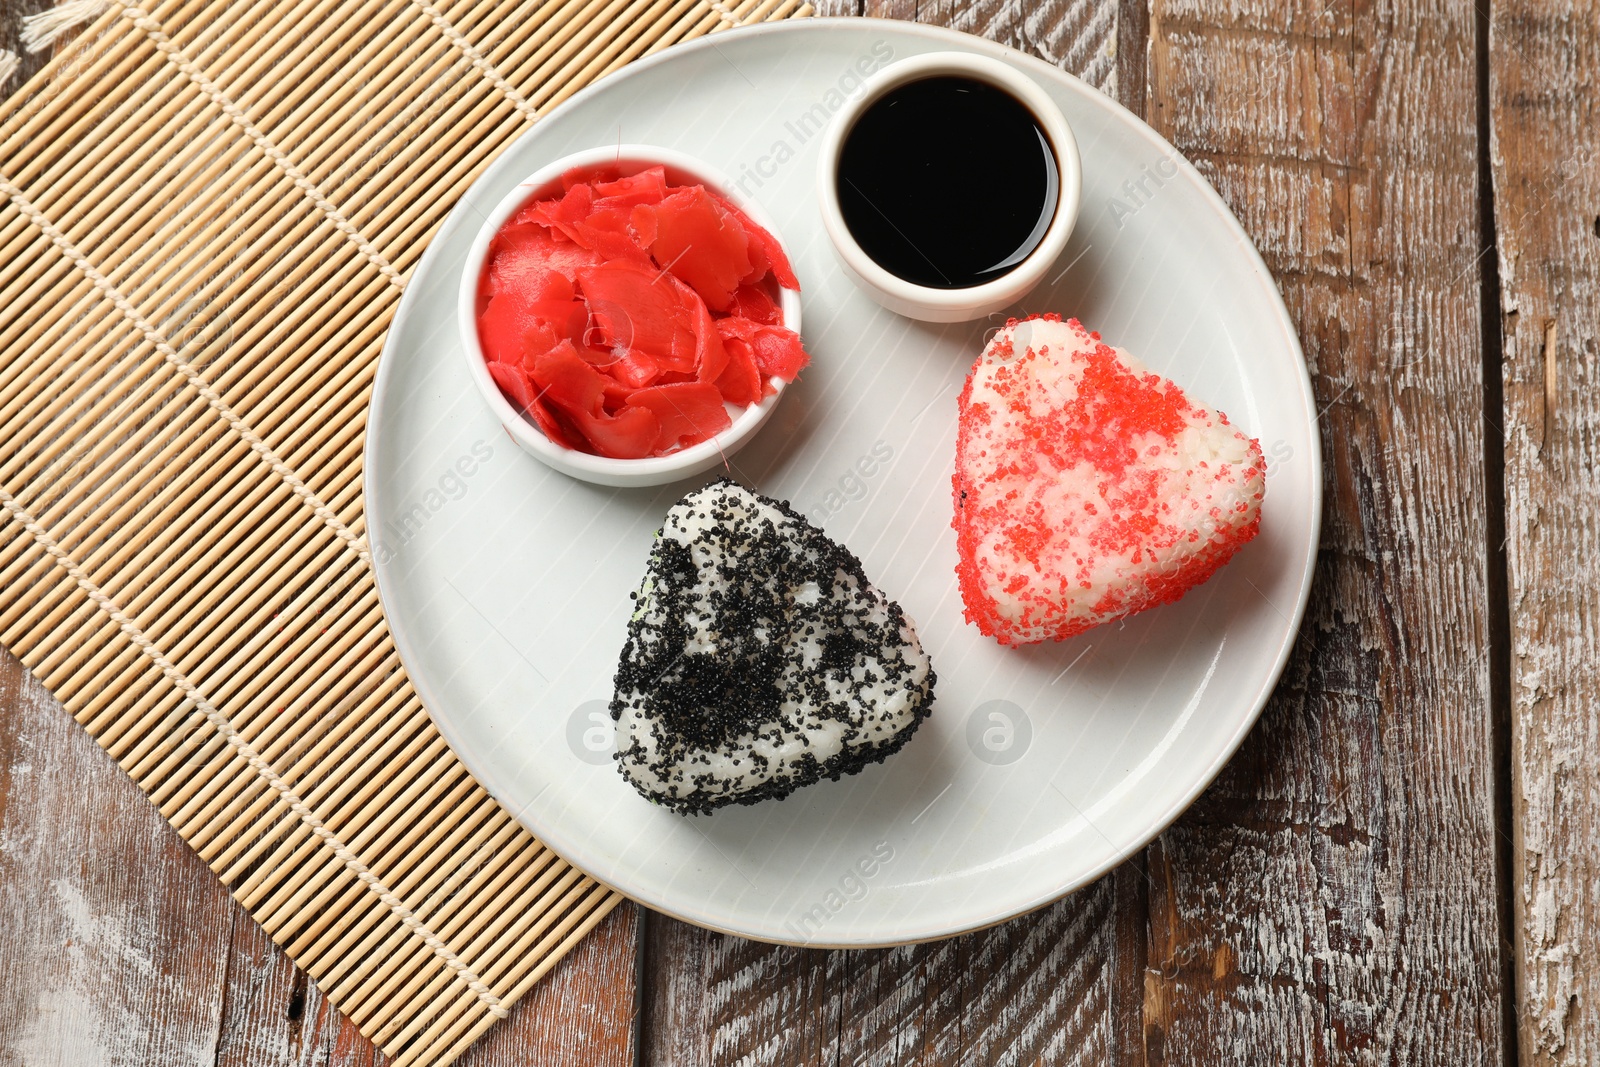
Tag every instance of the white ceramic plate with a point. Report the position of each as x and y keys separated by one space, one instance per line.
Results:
x=506 y=584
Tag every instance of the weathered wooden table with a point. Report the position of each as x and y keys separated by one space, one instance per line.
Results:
x=1398 y=867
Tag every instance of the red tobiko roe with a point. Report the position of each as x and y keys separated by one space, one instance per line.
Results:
x=623 y=315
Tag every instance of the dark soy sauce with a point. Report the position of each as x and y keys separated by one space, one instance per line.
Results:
x=947 y=182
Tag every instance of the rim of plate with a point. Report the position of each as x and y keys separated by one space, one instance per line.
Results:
x=1256 y=700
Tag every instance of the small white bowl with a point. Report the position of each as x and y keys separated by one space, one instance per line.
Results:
x=602 y=470
x=972 y=302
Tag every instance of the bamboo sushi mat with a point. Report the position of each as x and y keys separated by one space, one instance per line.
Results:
x=209 y=214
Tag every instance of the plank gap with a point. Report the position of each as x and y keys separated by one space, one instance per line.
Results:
x=1133 y=42
x=225 y=993
x=641 y=971
x=1497 y=577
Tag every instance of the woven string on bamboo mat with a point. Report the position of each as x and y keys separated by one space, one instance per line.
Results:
x=209 y=214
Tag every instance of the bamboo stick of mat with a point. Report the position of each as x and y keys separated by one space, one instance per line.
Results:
x=207 y=216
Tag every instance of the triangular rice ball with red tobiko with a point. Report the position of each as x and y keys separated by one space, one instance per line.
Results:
x=1088 y=488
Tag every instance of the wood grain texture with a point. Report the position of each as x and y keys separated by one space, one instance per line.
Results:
x=1056 y=987
x=1332 y=898
x=109 y=925
x=579 y=1015
x=11 y=14
x=1079 y=36
x=1544 y=76
x=119 y=946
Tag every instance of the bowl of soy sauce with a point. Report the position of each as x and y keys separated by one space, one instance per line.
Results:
x=949 y=186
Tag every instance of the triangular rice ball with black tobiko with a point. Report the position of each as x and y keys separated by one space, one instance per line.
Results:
x=759 y=659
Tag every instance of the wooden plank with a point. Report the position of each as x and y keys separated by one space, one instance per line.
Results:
x=1133 y=42
x=11 y=13
x=117 y=944
x=1332 y=895
x=274 y=1014
x=581 y=1014
x=1061 y=986
x=1332 y=898
x=1544 y=75
x=1079 y=36
x=113 y=934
